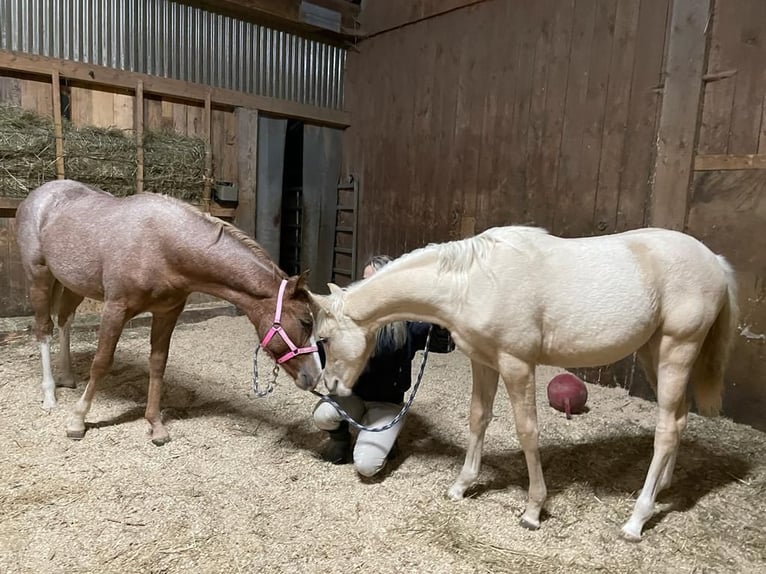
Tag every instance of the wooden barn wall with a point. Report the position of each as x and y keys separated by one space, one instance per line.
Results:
x=103 y=108
x=474 y=113
x=503 y=113
x=727 y=207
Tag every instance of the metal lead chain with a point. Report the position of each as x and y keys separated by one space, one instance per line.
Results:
x=398 y=417
x=271 y=384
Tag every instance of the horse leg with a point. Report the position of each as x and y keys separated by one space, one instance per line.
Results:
x=162 y=330
x=519 y=378
x=482 y=398
x=675 y=363
x=67 y=307
x=42 y=287
x=113 y=319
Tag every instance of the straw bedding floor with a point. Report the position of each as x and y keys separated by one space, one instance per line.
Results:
x=240 y=488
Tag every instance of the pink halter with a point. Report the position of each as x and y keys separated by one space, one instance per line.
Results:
x=276 y=327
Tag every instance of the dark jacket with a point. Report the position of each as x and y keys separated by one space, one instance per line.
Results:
x=388 y=374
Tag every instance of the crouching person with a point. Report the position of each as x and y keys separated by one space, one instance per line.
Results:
x=378 y=393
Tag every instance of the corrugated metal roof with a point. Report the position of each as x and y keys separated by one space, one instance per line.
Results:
x=174 y=40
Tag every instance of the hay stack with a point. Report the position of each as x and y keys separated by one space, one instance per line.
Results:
x=104 y=157
x=174 y=165
x=27 y=151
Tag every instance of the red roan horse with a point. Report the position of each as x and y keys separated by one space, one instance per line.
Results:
x=147 y=252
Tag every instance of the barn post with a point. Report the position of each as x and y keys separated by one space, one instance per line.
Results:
x=680 y=113
x=247 y=140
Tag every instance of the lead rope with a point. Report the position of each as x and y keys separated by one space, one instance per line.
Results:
x=397 y=418
x=271 y=384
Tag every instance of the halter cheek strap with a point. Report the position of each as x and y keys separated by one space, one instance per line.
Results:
x=276 y=328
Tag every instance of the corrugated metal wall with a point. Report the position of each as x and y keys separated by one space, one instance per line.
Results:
x=173 y=40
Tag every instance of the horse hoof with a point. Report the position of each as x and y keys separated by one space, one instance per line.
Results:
x=629 y=536
x=160 y=440
x=75 y=434
x=49 y=405
x=455 y=493
x=529 y=524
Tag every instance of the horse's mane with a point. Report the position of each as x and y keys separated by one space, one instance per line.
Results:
x=224 y=227
x=459 y=256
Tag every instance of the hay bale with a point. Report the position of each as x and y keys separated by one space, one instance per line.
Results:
x=174 y=165
x=27 y=151
x=102 y=157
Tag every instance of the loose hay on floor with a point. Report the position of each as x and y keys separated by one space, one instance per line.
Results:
x=240 y=487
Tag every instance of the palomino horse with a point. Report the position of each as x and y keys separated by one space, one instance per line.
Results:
x=516 y=297
x=148 y=252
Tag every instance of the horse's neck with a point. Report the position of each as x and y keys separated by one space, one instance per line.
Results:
x=408 y=291
x=232 y=271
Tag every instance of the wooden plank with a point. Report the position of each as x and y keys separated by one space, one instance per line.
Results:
x=195 y=118
x=500 y=187
x=247 y=138
x=228 y=153
x=680 y=109
x=123 y=112
x=623 y=52
x=166 y=121
x=719 y=96
x=152 y=113
x=593 y=128
x=726 y=212
x=218 y=211
x=102 y=109
x=508 y=201
x=10 y=91
x=139 y=129
x=92 y=74
x=208 y=135
x=385 y=16
x=58 y=131
x=570 y=195
x=639 y=150
x=36 y=97
x=287 y=14
x=8 y=206
x=80 y=101
x=729 y=162
x=750 y=81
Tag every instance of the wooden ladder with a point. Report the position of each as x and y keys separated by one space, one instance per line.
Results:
x=344 y=247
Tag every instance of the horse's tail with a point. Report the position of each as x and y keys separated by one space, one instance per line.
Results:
x=707 y=376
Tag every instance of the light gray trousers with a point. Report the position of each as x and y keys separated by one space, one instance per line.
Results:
x=371 y=448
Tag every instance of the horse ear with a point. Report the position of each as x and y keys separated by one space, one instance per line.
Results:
x=334 y=289
x=302 y=280
x=320 y=302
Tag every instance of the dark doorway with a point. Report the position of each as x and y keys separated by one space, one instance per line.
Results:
x=292 y=200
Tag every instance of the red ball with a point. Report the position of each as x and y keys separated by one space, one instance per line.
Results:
x=567 y=393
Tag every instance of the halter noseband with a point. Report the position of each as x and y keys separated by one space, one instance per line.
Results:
x=276 y=328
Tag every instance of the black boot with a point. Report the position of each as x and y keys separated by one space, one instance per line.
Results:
x=338 y=448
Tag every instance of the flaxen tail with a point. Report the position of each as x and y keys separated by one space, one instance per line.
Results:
x=707 y=376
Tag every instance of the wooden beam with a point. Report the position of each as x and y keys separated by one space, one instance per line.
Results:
x=729 y=162
x=287 y=14
x=8 y=206
x=139 y=124
x=679 y=125
x=187 y=91
x=207 y=121
x=58 y=130
x=247 y=157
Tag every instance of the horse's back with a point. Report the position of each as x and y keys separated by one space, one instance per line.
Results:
x=593 y=300
x=86 y=237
